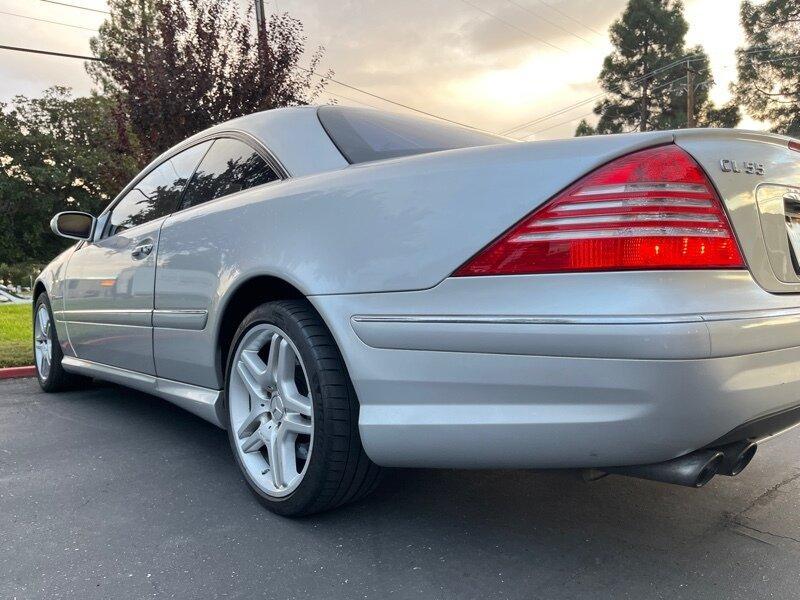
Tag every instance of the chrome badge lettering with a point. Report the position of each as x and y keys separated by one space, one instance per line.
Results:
x=746 y=167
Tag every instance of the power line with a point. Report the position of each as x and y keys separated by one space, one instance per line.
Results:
x=400 y=104
x=546 y=20
x=97 y=10
x=574 y=20
x=10 y=14
x=349 y=98
x=674 y=81
x=566 y=109
x=761 y=62
x=764 y=62
x=61 y=54
x=561 y=111
x=512 y=26
x=580 y=103
x=323 y=77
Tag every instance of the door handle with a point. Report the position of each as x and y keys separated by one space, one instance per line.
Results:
x=142 y=250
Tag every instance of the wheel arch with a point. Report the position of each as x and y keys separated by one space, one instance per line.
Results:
x=244 y=297
x=38 y=289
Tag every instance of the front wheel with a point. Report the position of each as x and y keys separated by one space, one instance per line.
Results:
x=47 y=350
x=293 y=413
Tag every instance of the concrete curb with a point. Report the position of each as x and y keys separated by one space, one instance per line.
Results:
x=14 y=372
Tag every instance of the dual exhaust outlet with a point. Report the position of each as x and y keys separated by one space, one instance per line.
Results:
x=696 y=468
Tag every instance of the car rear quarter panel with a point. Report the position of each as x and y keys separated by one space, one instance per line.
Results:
x=396 y=225
x=565 y=370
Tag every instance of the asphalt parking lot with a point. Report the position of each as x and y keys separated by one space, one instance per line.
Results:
x=109 y=493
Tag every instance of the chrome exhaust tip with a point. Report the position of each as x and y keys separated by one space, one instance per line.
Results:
x=691 y=470
x=736 y=457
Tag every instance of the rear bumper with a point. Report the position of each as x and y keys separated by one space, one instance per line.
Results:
x=473 y=410
x=569 y=390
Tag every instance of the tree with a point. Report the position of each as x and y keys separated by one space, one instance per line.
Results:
x=645 y=75
x=769 y=69
x=584 y=129
x=178 y=68
x=57 y=153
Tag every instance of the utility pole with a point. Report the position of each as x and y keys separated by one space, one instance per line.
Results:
x=145 y=31
x=261 y=18
x=643 y=108
x=690 y=73
x=644 y=101
x=261 y=30
x=264 y=55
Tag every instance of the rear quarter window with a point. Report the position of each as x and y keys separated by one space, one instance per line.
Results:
x=363 y=135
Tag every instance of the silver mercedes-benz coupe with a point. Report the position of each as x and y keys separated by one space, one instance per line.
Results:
x=344 y=289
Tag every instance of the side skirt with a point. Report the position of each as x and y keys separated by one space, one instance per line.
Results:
x=203 y=402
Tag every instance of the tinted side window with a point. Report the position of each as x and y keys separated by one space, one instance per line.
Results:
x=158 y=193
x=363 y=134
x=228 y=167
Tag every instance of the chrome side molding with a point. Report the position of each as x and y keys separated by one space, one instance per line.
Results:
x=180 y=318
x=524 y=320
x=579 y=320
x=139 y=317
x=136 y=317
x=203 y=402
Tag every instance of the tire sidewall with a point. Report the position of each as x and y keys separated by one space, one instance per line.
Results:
x=277 y=315
x=55 y=356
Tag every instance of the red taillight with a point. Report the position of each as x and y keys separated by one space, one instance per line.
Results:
x=654 y=209
x=793 y=145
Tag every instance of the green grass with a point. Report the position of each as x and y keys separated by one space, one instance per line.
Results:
x=15 y=335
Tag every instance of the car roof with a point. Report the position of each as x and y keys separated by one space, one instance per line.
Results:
x=294 y=135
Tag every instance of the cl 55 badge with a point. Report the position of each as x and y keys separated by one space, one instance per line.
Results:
x=746 y=167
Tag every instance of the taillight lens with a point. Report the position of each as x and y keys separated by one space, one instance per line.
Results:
x=654 y=209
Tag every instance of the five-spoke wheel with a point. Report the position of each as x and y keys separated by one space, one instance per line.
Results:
x=47 y=352
x=293 y=413
x=271 y=409
x=43 y=341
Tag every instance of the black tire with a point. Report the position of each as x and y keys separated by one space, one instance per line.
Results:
x=57 y=380
x=338 y=471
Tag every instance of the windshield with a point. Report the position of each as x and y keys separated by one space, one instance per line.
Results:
x=362 y=134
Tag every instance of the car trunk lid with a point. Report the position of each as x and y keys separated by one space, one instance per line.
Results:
x=758 y=178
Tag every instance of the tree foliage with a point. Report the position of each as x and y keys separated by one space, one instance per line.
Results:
x=769 y=68
x=58 y=153
x=584 y=129
x=644 y=76
x=172 y=68
x=179 y=67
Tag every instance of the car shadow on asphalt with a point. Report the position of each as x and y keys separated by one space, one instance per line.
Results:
x=526 y=503
x=520 y=497
x=168 y=492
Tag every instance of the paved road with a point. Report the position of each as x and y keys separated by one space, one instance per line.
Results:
x=109 y=493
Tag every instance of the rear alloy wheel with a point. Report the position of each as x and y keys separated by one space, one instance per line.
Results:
x=293 y=412
x=270 y=410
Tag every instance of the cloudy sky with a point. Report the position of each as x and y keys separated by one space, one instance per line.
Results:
x=493 y=64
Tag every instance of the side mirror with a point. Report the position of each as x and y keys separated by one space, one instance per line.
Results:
x=74 y=225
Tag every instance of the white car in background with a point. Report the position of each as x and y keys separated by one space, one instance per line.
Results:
x=344 y=288
x=7 y=296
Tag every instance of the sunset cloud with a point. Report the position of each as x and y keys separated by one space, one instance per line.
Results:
x=445 y=57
